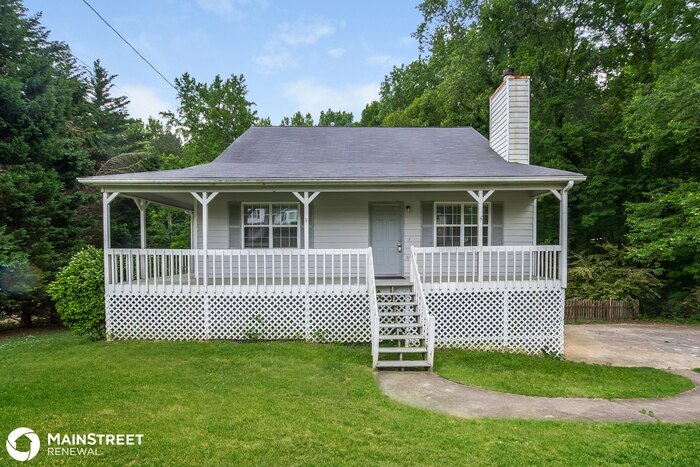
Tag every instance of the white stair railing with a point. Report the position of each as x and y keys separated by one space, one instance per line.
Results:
x=373 y=308
x=426 y=319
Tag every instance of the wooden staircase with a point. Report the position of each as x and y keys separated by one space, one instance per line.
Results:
x=402 y=335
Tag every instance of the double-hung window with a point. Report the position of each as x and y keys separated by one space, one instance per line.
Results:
x=456 y=224
x=270 y=225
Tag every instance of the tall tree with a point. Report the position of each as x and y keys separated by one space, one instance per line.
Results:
x=41 y=154
x=210 y=116
x=298 y=120
x=335 y=118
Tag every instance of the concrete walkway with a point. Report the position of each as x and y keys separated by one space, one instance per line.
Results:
x=430 y=391
x=675 y=348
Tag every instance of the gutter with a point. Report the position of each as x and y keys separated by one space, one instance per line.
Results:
x=94 y=181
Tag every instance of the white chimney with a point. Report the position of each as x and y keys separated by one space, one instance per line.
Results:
x=509 y=118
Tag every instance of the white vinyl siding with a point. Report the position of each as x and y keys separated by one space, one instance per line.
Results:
x=341 y=220
x=509 y=120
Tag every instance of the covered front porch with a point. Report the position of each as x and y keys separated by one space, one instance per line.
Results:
x=278 y=264
x=251 y=239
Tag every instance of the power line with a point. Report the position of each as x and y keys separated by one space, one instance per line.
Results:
x=129 y=44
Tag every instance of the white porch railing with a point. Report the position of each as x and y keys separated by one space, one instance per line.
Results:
x=425 y=318
x=235 y=271
x=498 y=266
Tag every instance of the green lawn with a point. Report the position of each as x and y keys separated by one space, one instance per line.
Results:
x=279 y=403
x=539 y=376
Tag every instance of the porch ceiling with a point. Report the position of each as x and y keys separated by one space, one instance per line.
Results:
x=178 y=200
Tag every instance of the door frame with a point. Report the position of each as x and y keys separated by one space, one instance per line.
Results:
x=401 y=207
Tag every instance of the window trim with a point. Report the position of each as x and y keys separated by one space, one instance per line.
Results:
x=487 y=206
x=270 y=225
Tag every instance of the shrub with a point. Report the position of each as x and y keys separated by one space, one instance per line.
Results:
x=605 y=275
x=78 y=293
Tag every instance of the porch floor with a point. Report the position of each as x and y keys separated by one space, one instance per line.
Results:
x=191 y=280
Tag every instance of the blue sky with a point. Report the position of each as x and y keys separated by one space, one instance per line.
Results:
x=295 y=55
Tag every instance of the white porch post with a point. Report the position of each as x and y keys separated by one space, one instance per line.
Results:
x=480 y=198
x=563 y=197
x=305 y=198
x=142 y=204
x=194 y=226
x=107 y=198
x=204 y=199
x=564 y=233
x=534 y=221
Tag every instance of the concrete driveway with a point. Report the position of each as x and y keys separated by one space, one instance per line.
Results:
x=655 y=345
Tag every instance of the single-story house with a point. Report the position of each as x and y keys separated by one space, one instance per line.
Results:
x=409 y=238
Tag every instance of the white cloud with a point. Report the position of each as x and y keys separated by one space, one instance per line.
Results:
x=336 y=52
x=229 y=9
x=281 y=51
x=276 y=60
x=382 y=60
x=145 y=101
x=310 y=96
x=305 y=32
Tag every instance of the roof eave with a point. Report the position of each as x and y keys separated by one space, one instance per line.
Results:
x=101 y=182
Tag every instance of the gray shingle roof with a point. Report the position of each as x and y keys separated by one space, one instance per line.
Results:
x=353 y=153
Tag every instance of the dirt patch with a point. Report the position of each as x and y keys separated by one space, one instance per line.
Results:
x=30 y=331
x=655 y=345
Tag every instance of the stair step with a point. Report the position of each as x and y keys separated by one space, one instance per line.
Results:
x=399 y=337
x=395 y=303
x=397 y=313
x=395 y=293
x=403 y=364
x=400 y=325
x=402 y=350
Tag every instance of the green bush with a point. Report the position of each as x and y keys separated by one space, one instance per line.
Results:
x=78 y=292
x=605 y=275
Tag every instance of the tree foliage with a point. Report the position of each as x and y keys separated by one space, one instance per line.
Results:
x=605 y=274
x=335 y=118
x=615 y=95
x=42 y=151
x=210 y=116
x=298 y=119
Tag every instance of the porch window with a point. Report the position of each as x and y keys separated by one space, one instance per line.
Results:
x=270 y=225
x=456 y=224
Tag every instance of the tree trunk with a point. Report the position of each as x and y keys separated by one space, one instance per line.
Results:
x=26 y=318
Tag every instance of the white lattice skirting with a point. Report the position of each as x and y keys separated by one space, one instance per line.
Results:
x=328 y=317
x=528 y=321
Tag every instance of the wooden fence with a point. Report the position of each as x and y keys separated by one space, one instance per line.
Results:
x=601 y=310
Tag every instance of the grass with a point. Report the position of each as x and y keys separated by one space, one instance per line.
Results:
x=209 y=403
x=549 y=377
